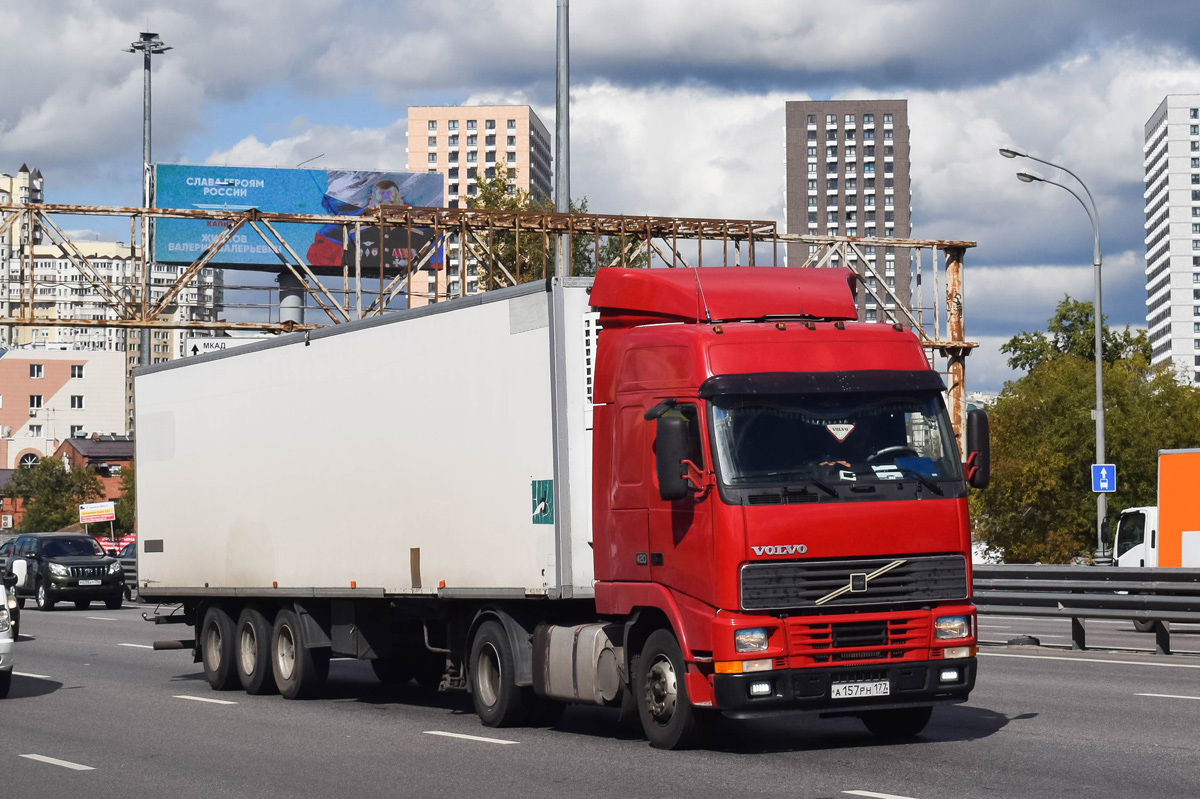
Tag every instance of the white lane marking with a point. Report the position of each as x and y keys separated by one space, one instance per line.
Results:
x=994 y=626
x=56 y=762
x=137 y=646
x=470 y=737
x=34 y=676
x=1169 y=696
x=1091 y=660
x=205 y=699
x=876 y=795
x=102 y=618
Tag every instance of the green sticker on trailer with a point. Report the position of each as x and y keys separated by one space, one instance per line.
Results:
x=543 y=501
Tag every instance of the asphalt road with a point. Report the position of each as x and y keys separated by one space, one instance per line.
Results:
x=95 y=712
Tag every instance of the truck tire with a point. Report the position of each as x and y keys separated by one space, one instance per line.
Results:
x=898 y=723
x=499 y=701
x=217 y=649
x=5 y=683
x=254 y=652
x=43 y=600
x=669 y=719
x=299 y=672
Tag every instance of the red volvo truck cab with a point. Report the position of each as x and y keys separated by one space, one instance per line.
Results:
x=781 y=487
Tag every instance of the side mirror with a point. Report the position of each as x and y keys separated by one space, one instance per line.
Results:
x=1105 y=533
x=979 y=449
x=670 y=449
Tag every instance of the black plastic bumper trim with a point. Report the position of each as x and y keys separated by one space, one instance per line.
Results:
x=911 y=683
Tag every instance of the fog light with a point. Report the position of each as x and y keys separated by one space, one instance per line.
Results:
x=760 y=688
x=766 y=664
x=948 y=675
x=952 y=652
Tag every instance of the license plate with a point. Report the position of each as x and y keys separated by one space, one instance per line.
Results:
x=858 y=690
x=89 y=582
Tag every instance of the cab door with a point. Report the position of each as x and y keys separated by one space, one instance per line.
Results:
x=681 y=534
x=1137 y=540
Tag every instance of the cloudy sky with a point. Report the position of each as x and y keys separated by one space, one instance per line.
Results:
x=677 y=107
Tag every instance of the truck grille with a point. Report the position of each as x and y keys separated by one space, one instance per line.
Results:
x=88 y=571
x=801 y=584
x=811 y=642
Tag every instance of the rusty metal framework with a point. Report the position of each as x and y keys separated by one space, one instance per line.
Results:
x=369 y=284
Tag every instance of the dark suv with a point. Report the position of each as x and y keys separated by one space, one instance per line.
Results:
x=62 y=567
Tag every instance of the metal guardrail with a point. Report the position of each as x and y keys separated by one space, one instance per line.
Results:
x=1155 y=597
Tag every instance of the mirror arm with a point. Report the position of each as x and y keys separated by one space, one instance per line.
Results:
x=700 y=479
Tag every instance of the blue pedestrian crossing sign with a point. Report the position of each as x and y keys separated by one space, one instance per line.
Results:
x=1104 y=478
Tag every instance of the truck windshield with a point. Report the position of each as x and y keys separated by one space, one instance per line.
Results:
x=834 y=440
x=1131 y=531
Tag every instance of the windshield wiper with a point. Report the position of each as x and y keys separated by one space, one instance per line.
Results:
x=925 y=481
x=805 y=479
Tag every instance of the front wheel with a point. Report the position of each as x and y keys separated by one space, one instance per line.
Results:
x=44 y=602
x=114 y=602
x=898 y=723
x=668 y=717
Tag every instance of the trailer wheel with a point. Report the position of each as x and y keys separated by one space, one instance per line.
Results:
x=299 y=672
x=217 y=650
x=499 y=701
x=254 y=652
x=668 y=717
x=898 y=723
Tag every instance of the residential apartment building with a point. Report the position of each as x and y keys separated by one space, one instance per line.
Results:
x=460 y=142
x=1172 y=163
x=62 y=291
x=847 y=174
x=49 y=396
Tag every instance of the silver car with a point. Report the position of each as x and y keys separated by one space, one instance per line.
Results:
x=7 y=638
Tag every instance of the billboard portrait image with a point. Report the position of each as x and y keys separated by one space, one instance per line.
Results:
x=348 y=193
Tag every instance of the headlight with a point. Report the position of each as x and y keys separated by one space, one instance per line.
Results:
x=952 y=627
x=752 y=640
x=59 y=570
x=4 y=620
x=115 y=568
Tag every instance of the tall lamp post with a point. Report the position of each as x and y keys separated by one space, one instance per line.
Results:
x=1089 y=208
x=148 y=45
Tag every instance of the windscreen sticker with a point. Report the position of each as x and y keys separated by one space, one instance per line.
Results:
x=887 y=471
x=840 y=431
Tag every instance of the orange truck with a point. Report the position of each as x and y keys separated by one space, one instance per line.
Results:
x=1167 y=534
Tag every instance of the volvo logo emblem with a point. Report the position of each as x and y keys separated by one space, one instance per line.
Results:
x=859 y=582
x=788 y=549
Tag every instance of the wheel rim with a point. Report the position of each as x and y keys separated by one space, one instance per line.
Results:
x=488 y=674
x=212 y=647
x=249 y=649
x=285 y=655
x=662 y=690
x=41 y=595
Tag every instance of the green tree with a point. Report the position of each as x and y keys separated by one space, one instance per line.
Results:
x=52 y=494
x=1072 y=331
x=127 y=504
x=1039 y=506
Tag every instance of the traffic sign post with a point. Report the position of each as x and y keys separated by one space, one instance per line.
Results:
x=1104 y=478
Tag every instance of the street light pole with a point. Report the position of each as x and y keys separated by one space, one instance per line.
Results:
x=1089 y=208
x=148 y=45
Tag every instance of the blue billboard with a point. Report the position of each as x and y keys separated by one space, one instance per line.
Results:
x=287 y=191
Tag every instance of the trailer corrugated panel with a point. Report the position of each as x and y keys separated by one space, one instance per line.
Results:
x=392 y=455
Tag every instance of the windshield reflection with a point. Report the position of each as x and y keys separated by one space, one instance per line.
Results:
x=834 y=439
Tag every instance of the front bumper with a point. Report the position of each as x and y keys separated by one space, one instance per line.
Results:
x=6 y=651
x=68 y=588
x=910 y=683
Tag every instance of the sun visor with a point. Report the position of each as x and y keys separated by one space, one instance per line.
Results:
x=822 y=382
